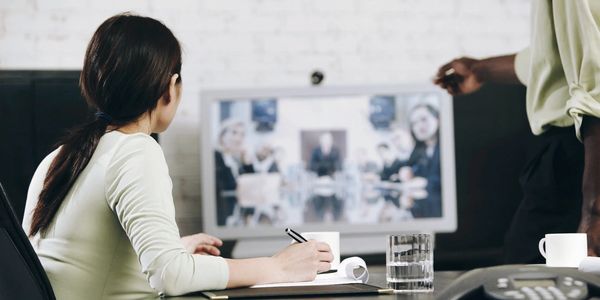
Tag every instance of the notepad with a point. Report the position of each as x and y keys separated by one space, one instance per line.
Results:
x=346 y=273
x=349 y=280
x=352 y=289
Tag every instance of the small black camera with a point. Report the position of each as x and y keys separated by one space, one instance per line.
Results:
x=317 y=77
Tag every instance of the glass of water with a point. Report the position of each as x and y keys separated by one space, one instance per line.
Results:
x=409 y=263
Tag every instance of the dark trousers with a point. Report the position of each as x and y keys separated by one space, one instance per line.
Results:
x=551 y=184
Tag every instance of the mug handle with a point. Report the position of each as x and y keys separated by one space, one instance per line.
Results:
x=541 y=247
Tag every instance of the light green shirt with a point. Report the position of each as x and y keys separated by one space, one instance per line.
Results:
x=115 y=236
x=561 y=67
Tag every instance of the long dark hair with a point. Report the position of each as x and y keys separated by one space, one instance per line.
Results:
x=420 y=151
x=128 y=67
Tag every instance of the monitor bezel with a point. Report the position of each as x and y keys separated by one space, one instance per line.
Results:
x=447 y=223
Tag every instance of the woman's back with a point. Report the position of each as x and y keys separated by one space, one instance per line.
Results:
x=121 y=203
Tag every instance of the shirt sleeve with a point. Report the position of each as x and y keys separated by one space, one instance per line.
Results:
x=578 y=39
x=139 y=191
x=522 y=61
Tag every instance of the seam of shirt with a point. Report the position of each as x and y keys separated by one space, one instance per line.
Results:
x=109 y=271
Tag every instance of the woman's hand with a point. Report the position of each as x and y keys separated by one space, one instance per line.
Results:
x=297 y=262
x=302 y=261
x=202 y=243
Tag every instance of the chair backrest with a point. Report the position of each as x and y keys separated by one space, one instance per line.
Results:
x=22 y=275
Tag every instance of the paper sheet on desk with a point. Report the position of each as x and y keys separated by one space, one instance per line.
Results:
x=345 y=274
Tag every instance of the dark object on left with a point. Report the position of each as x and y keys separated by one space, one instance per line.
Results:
x=26 y=278
x=36 y=109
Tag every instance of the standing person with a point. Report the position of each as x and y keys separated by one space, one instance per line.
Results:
x=99 y=209
x=561 y=68
x=325 y=161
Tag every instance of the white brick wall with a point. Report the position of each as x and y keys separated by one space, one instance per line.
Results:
x=250 y=43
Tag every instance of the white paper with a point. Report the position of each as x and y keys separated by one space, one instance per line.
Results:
x=590 y=265
x=345 y=274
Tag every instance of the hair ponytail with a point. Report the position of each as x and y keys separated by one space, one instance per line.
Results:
x=74 y=155
x=127 y=68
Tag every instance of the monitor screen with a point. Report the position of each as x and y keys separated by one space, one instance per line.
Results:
x=354 y=160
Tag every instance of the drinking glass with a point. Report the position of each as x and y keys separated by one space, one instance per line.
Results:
x=409 y=263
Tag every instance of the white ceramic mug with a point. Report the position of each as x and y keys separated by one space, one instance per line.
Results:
x=331 y=238
x=564 y=249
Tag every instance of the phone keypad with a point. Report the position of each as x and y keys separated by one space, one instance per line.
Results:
x=557 y=293
x=502 y=283
x=514 y=294
x=564 y=288
x=542 y=293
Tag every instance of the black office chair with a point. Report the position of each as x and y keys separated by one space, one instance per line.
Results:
x=22 y=275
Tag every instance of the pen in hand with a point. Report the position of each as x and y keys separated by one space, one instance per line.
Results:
x=300 y=239
x=296 y=236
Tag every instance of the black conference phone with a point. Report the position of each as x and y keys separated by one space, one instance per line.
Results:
x=523 y=282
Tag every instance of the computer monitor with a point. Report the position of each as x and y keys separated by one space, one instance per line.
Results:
x=358 y=160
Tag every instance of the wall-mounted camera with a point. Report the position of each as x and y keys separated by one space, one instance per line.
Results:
x=317 y=77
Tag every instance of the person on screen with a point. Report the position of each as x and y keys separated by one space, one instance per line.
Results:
x=425 y=160
x=266 y=159
x=100 y=212
x=231 y=160
x=390 y=173
x=391 y=163
x=403 y=142
x=325 y=161
x=560 y=69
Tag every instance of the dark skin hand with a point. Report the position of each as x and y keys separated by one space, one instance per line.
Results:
x=590 y=210
x=466 y=75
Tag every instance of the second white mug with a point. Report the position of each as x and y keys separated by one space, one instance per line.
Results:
x=563 y=249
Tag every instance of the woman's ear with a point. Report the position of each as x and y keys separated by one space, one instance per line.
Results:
x=173 y=88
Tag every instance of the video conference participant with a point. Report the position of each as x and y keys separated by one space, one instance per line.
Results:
x=99 y=209
x=267 y=158
x=231 y=161
x=561 y=68
x=325 y=161
x=425 y=159
x=391 y=163
x=390 y=172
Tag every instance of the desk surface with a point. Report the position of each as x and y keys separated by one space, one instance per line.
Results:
x=377 y=277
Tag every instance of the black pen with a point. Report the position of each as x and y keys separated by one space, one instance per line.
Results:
x=296 y=236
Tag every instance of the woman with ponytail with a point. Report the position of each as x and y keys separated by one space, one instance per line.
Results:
x=100 y=210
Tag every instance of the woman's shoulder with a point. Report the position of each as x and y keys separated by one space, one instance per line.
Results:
x=135 y=146
x=131 y=141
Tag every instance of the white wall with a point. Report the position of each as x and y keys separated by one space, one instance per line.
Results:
x=266 y=43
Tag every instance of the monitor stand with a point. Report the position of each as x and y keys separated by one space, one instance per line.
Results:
x=349 y=245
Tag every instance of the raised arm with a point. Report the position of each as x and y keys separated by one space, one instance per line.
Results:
x=466 y=75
